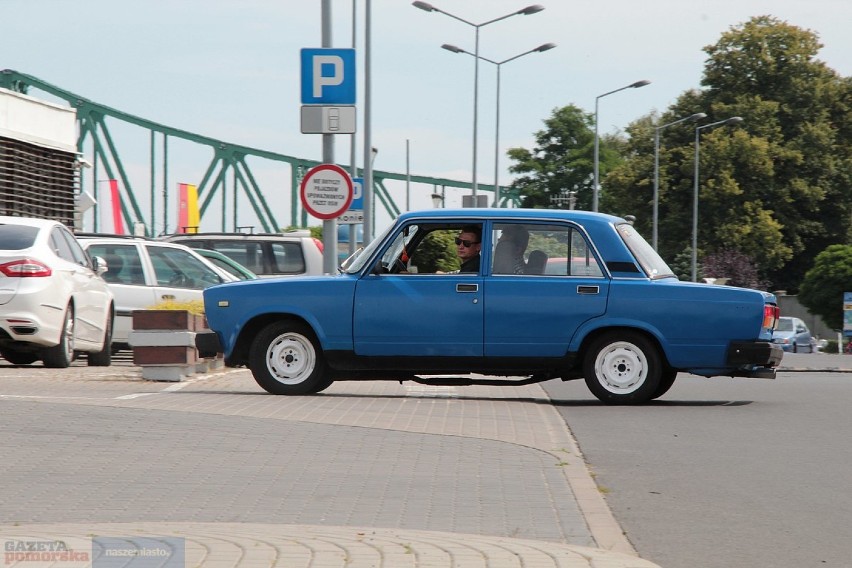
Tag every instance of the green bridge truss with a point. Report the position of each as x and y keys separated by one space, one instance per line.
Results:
x=227 y=158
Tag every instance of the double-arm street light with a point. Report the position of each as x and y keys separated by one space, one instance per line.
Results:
x=533 y=9
x=499 y=64
x=727 y=121
x=596 y=181
x=692 y=118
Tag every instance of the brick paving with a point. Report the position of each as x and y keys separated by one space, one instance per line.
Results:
x=378 y=473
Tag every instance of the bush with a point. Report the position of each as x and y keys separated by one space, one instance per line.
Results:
x=195 y=307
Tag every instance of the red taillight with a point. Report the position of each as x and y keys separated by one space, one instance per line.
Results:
x=770 y=316
x=318 y=243
x=25 y=268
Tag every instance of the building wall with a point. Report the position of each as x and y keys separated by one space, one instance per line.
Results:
x=39 y=176
x=790 y=307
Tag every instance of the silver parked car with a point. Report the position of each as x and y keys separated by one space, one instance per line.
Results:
x=144 y=272
x=794 y=336
x=53 y=301
x=292 y=253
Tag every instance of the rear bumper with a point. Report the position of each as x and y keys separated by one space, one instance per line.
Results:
x=756 y=359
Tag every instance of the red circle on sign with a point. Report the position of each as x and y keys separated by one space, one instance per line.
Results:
x=326 y=191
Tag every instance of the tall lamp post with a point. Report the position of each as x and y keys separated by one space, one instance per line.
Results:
x=533 y=9
x=727 y=121
x=596 y=189
x=499 y=64
x=692 y=118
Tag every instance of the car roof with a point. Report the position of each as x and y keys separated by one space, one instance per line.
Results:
x=513 y=213
x=226 y=235
x=28 y=221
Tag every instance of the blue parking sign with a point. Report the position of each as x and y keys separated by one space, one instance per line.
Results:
x=357 y=194
x=328 y=76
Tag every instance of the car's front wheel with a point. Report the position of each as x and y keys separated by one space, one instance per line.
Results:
x=623 y=367
x=285 y=358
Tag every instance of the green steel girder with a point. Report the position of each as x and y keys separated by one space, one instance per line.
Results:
x=226 y=157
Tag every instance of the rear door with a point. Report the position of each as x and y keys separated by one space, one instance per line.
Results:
x=534 y=309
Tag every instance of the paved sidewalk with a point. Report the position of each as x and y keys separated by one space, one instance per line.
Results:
x=506 y=441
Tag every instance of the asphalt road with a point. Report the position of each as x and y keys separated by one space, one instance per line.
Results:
x=723 y=473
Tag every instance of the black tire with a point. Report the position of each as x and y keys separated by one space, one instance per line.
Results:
x=19 y=358
x=623 y=367
x=285 y=358
x=61 y=355
x=666 y=381
x=103 y=358
x=795 y=347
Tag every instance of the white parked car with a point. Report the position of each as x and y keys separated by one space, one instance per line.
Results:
x=53 y=301
x=144 y=272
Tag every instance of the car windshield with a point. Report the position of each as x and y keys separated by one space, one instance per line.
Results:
x=651 y=262
x=17 y=237
x=784 y=325
x=357 y=263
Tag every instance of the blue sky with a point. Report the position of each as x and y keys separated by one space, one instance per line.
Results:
x=230 y=69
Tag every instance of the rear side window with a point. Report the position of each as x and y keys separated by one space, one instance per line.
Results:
x=17 y=237
x=288 y=258
x=249 y=254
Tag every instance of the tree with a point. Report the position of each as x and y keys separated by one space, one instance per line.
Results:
x=561 y=161
x=739 y=269
x=824 y=284
x=778 y=187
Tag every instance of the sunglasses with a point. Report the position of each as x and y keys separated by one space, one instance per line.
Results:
x=466 y=243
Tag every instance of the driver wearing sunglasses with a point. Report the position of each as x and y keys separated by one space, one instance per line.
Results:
x=468 y=246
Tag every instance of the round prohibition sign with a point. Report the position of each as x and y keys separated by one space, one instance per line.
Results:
x=326 y=191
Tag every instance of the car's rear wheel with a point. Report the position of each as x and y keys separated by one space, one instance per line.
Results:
x=285 y=358
x=103 y=358
x=623 y=367
x=19 y=358
x=61 y=355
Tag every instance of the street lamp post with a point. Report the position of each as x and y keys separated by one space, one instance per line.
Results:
x=533 y=9
x=596 y=188
x=692 y=118
x=698 y=129
x=499 y=64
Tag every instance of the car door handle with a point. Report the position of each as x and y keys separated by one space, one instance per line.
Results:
x=588 y=290
x=467 y=287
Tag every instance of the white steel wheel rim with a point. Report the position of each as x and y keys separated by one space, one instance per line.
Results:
x=291 y=358
x=621 y=367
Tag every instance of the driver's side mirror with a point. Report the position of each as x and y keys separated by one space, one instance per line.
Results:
x=100 y=265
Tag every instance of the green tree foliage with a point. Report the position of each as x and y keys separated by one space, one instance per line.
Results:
x=561 y=161
x=776 y=188
x=824 y=284
x=437 y=252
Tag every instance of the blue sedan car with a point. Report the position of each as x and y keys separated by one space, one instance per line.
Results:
x=609 y=311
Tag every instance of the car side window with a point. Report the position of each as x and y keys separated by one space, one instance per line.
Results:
x=531 y=249
x=179 y=269
x=124 y=265
x=288 y=258
x=60 y=246
x=248 y=254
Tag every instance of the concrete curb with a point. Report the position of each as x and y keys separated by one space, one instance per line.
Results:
x=265 y=545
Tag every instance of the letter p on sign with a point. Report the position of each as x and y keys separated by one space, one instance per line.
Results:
x=328 y=76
